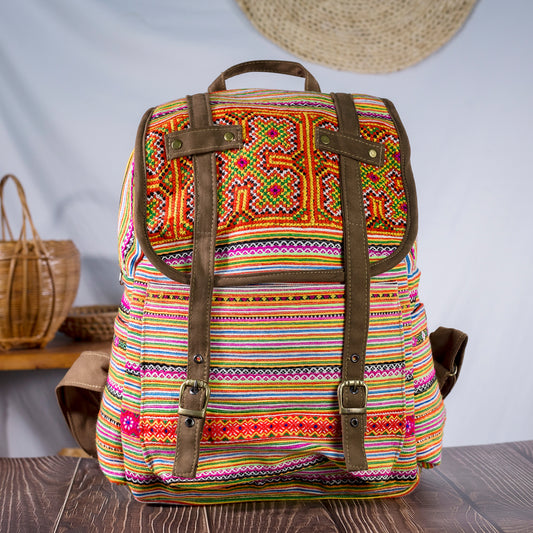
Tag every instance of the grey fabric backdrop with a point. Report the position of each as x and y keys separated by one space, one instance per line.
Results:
x=76 y=77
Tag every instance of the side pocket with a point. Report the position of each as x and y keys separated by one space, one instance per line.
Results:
x=385 y=375
x=430 y=414
x=162 y=369
x=276 y=353
x=108 y=426
x=429 y=411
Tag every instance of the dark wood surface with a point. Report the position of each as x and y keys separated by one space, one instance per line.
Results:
x=477 y=488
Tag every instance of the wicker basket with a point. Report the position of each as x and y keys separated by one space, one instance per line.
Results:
x=38 y=281
x=90 y=323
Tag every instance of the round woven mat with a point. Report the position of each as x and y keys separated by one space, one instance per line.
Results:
x=363 y=36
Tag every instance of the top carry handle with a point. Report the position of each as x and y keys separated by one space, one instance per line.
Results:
x=291 y=68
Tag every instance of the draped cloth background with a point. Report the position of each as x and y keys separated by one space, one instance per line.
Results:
x=75 y=78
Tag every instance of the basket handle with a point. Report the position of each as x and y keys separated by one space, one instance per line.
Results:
x=26 y=216
x=290 y=68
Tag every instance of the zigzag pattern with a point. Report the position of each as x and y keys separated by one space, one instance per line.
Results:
x=278 y=182
x=272 y=423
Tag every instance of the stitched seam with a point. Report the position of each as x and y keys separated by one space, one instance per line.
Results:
x=195 y=444
x=353 y=155
x=400 y=251
x=370 y=144
x=364 y=247
x=228 y=145
x=348 y=289
x=358 y=139
x=192 y=287
x=211 y=271
x=96 y=354
x=81 y=383
x=215 y=129
x=140 y=203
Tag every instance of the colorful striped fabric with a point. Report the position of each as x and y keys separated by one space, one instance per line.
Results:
x=278 y=197
x=272 y=427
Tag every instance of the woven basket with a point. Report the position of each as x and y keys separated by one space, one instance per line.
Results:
x=359 y=35
x=38 y=281
x=90 y=323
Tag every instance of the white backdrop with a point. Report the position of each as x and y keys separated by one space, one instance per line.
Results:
x=76 y=76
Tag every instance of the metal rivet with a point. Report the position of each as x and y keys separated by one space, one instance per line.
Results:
x=198 y=358
x=354 y=358
x=354 y=390
x=372 y=153
x=324 y=139
x=228 y=136
x=354 y=422
x=176 y=144
x=189 y=422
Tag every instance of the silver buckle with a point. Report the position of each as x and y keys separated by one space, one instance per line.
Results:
x=194 y=384
x=353 y=384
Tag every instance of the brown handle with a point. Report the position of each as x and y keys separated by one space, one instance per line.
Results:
x=26 y=216
x=290 y=68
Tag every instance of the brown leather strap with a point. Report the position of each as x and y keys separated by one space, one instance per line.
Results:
x=266 y=65
x=203 y=140
x=350 y=145
x=79 y=395
x=448 y=348
x=352 y=391
x=194 y=393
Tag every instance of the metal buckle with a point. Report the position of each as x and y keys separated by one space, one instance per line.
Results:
x=355 y=384
x=194 y=384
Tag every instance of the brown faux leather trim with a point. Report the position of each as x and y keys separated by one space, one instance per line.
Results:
x=300 y=276
x=350 y=145
x=356 y=291
x=189 y=431
x=410 y=196
x=79 y=394
x=139 y=205
x=228 y=280
x=203 y=140
x=290 y=68
x=448 y=347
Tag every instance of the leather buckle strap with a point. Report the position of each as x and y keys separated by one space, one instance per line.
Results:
x=196 y=141
x=354 y=386
x=193 y=404
x=352 y=406
x=352 y=146
x=195 y=385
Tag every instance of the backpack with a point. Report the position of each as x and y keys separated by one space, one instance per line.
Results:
x=270 y=342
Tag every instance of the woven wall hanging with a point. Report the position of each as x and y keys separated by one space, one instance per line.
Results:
x=359 y=35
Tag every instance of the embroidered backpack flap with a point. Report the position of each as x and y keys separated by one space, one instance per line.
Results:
x=270 y=342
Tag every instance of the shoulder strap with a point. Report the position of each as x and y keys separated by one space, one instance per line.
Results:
x=194 y=393
x=352 y=391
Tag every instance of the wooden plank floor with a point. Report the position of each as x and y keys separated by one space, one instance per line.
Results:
x=477 y=488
